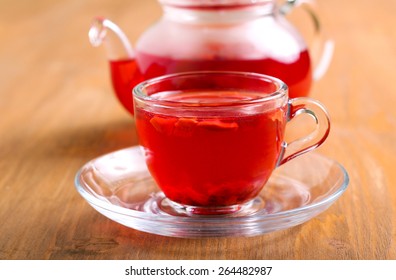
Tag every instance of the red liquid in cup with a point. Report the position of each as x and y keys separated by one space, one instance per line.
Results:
x=211 y=159
x=126 y=74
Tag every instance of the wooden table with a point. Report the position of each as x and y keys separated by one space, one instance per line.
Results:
x=59 y=111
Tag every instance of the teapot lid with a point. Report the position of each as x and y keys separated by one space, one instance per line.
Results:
x=212 y=4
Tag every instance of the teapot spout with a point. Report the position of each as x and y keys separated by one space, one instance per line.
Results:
x=103 y=31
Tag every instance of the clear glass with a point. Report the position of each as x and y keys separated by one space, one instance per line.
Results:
x=196 y=129
x=232 y=35
x=119 y=186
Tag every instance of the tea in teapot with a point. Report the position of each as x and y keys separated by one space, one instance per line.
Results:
x=226 y=35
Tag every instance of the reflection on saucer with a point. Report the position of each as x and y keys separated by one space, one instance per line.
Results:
x=119 y=186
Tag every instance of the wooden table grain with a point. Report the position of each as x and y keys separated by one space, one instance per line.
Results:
x=58 y=111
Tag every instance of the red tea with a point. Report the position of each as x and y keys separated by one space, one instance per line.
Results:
x=127 y=73
x=210 y=157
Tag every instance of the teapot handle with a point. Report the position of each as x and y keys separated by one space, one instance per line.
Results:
x=326 y=45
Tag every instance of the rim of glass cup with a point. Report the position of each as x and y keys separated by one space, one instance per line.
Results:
x=281 y=91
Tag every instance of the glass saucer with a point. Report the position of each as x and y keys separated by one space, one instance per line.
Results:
x=119 y=186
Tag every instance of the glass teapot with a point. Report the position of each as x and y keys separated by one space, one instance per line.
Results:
x=194 y=35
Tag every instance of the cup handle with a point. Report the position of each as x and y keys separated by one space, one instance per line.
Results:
x=323 y=47
x=296 y=107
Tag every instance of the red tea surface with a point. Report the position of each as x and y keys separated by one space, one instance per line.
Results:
x=126 y=74
x=211 y=158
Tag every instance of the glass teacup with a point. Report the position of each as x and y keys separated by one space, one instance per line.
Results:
x=212 y=139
